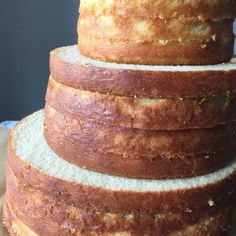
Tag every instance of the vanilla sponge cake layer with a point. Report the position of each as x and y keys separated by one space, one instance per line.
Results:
x=69 y=67
x=137 y=153
x=158 y=52
x=146 y=29
x=142 y=113
x=46 y=215
x=18 y=227
x=162 y=9
x=36 y=165
x=137 y=142
x=141 y=167
x=72 y=55
x=123 y=32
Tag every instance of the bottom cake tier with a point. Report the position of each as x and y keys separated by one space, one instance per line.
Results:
x=47 y=196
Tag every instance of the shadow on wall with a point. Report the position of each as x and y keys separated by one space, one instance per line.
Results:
x=30 y=30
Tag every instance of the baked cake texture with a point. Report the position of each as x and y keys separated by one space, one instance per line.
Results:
x=138 y=134
x=60 y=197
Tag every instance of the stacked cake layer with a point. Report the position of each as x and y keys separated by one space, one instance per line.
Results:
x=49 y=196
x=130 y=149
x=211 y=9
x=157 y=32
x=139 y=136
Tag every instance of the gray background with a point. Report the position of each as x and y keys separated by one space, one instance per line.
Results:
x=29 y=29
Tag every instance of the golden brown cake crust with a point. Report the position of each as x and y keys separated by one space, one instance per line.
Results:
x=140 y=167
x=177 y=41
x=157 y=53
x=16 y=227
x=138 y=153
x=118 y=28
x=136 y=142
x=35 y=208
x=150 y=84
x=153 y=114
x=105 y=200
x=163 y=9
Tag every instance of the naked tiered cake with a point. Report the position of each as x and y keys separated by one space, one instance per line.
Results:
x=144 y=148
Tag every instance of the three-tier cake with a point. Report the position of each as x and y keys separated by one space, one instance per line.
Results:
x=138 y=135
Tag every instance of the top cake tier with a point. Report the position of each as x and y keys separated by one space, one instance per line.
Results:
x=164 y=32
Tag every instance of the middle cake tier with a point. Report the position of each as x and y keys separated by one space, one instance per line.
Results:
x=140 y=121
x=142 y=113
x=139 y=153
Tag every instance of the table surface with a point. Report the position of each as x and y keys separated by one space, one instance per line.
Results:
x=4 y=130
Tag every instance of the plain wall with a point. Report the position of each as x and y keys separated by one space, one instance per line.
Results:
x=29 y=30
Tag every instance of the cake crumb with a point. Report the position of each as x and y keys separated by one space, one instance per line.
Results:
x=188 y=210
x=163 y=42
x=211 y=202
x=214 y=37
